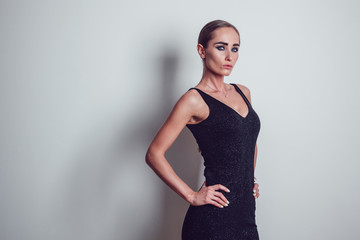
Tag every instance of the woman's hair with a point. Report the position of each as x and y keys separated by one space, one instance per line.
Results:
x=206 y=33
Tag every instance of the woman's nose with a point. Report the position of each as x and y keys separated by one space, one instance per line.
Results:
x=228 y=56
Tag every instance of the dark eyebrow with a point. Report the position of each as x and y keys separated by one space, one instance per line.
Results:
x=224 y=43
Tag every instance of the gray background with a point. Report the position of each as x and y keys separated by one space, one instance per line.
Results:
x=85 y=85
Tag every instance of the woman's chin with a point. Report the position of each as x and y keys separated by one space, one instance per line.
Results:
x=223 y=72
x=227 y=73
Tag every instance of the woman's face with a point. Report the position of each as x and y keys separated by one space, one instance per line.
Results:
x=221 y=53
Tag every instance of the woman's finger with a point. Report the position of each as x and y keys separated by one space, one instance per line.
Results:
x=256 y=190
x=219 y=200
x=256 y=193
x=219 y=186
x=216 y=204
x=222 y=197
x=212 y=195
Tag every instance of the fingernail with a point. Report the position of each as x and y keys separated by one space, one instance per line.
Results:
x=222 y=206
x=226 y=205
x=254 y=190
x=228 y=202
x=228 y=190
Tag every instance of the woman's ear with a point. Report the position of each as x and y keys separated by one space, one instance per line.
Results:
x=201 y=51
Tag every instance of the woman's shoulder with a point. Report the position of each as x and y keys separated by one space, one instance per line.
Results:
x=191 y=98
x=191 y=106
x=245 y=90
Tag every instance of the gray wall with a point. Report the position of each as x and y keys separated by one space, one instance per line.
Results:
x=85 y=85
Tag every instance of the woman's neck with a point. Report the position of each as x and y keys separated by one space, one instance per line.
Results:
x=213 y=81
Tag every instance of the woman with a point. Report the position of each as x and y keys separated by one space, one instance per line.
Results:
x=225 y=126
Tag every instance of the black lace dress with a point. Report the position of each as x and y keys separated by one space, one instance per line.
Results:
x=227 y=143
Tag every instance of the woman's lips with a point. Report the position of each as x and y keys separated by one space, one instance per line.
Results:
x=228 y=66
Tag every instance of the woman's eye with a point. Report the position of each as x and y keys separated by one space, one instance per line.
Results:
x=220 y=48
x=234 y=49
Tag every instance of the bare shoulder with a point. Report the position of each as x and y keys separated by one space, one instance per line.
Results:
x=245 y=90
x=193 y=104
x=190 y=99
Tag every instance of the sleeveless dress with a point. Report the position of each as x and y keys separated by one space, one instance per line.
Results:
x=227 y=143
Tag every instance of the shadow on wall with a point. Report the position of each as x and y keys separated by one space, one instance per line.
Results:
x=182 y=156
x=102 y=196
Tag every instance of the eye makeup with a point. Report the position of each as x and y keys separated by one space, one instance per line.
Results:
x=221 y=46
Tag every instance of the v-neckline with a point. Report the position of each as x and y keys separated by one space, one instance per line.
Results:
x=245 y=100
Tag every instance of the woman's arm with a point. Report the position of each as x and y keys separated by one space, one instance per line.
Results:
x=184 y=110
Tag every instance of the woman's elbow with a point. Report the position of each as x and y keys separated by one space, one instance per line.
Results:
x=150 y=156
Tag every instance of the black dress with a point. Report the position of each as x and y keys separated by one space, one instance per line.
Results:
x=227 y=143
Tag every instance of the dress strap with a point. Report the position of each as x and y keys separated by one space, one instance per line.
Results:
x=242 y=94
x=207 y=98
x=204 y=96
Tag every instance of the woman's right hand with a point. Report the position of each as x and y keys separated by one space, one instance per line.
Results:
x=209 y=195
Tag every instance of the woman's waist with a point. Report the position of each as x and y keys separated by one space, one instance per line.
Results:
x=243 y=176
x=240 y=190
